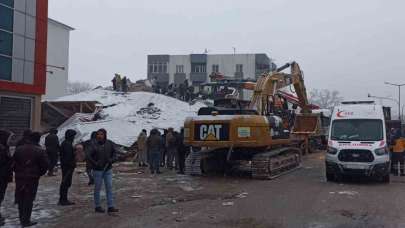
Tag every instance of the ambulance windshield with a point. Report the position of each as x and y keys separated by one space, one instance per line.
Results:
x=357 y=130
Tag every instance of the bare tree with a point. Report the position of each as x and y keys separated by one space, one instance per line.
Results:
x=78 y=87
x=325 y=98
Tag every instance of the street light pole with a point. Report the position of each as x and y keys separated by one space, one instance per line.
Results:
x=399 y=96
x=403 y=106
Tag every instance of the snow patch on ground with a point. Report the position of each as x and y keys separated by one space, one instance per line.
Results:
x=349 y=193
x=130 y=113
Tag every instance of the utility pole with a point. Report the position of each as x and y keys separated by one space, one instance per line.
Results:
x=399 y=96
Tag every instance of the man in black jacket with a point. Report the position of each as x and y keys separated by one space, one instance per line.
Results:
x=87 y=144
x=30 y=163
x=181 y=151
x=101 y=154
x=26 y=138
x=155 y=147
x=52 y=149
x=68 y=164
x=6 y=173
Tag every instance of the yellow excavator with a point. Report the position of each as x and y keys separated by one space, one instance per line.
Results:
x=256 y=139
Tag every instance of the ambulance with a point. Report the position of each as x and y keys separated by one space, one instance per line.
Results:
x=357 y=142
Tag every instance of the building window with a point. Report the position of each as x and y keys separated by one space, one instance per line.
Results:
x=239 y=68
x=198 y=68
x=6 y=43
x=6 y=22
x=215 y=68
x=158 y=67
x=179 y=68
x=7 y=3
x=5 y=68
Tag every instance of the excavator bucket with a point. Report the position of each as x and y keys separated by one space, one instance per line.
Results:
x=306 y=124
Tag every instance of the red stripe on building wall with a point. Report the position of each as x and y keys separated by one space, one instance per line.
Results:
x=41 y=45
x=20 y=88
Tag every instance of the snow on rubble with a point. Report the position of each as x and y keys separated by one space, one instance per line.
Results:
x=125 y=115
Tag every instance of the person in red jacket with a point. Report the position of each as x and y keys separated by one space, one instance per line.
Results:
x=30 y=163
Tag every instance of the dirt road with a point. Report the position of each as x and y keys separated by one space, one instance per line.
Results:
x=299 y=199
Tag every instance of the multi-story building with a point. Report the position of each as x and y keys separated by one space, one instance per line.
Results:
x=23 y=51
x=196 y=68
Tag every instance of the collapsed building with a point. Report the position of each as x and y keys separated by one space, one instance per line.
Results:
x=123 y=115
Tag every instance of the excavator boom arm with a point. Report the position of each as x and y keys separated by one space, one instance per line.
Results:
x=267 y=86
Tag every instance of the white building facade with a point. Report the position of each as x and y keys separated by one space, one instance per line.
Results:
x=196 y=68
x=57 y=59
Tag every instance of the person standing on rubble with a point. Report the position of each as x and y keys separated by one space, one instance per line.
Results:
x=155 y=147
x=101 y=155
x=142 y=149
x=125 y=85
x=6 y=172
x=68 y=164
x=118 y=82
x=114 y=83
x=171 y=147
x=30 y=163
x=52 y=150
x=87 y=144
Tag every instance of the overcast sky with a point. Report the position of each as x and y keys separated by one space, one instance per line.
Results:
x=350 y=46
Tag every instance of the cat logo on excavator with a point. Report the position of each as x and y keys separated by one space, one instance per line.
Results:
x=211 y=132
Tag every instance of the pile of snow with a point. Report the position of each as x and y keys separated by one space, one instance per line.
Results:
x=125 y=115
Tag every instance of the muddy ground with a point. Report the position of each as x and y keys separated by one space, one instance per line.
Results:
x=299 y=199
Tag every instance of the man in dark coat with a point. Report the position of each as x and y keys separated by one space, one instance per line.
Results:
x=101 y=155
x=181 y=151
x=68 y=164
x=25 y=138
x=114 y=83
x=87 y=144
x=6 y=173
x=171 y=147
x=163 y=152
x=52 y=150
x=30 y=163
x=155 y=147
x=125 y=85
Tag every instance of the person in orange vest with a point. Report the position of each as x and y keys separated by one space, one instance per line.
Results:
x=398 y=152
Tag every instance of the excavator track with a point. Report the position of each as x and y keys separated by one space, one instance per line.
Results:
x=265 y=166
x=193 y=163
x=274 y=163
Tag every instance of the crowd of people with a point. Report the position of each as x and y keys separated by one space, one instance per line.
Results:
x=30 y=162
x=183 y=91
x=162 y=150
x=120 y=84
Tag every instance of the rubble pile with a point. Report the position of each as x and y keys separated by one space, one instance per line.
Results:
x=124 y=115
x=150 y=112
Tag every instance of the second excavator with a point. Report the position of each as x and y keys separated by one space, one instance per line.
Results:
x=264 y=139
